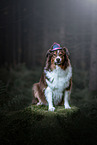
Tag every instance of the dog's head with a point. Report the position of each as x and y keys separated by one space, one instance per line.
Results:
x=56 y=55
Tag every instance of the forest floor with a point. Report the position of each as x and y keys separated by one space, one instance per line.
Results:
x=27 y=124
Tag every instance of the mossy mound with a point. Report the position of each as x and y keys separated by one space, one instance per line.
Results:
x=59 y=111
x=49 y=118
x=36 y=125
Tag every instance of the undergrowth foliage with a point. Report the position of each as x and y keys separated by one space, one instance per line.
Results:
x=16 y=87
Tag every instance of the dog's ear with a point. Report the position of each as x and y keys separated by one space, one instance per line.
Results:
x=66 y=51
x=48 y=53
x=48 y=60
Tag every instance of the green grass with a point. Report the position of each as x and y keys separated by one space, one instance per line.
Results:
x=23 y=123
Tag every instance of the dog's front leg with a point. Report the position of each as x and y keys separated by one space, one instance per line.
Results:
x=50 y=84
x=66 y=99
x=48 y=94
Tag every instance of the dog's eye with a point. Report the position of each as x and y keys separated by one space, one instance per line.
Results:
x=54 y=54
x=61 y=54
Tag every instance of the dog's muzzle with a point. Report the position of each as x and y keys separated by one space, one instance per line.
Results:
x=58 y=60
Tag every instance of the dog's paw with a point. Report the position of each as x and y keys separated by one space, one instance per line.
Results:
x=51 y=109
x=67 y=107
x=39 y=103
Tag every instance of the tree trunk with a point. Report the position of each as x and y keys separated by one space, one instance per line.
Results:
x=19 y=34
x=13 y=34
x=31 y=61
x=93 y=53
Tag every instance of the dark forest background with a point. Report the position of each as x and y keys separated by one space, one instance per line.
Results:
x=28 y=28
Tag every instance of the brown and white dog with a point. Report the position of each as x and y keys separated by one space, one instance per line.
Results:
x=55 y=84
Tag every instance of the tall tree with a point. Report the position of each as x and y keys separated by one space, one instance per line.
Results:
x=19 y=32
x=13 y=32
x=31 y=37
x=93 y=52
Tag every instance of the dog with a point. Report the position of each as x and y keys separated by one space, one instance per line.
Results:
x=54 y=87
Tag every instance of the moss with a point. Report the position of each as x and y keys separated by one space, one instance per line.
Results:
x=58 y=110
x=34 y=122
x=36 y=125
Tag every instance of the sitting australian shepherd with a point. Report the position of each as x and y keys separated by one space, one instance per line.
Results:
x=55 y=84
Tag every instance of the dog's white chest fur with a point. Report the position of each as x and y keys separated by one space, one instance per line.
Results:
x=58 y=81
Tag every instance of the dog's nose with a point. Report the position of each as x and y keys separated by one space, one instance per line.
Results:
x=58 y=60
